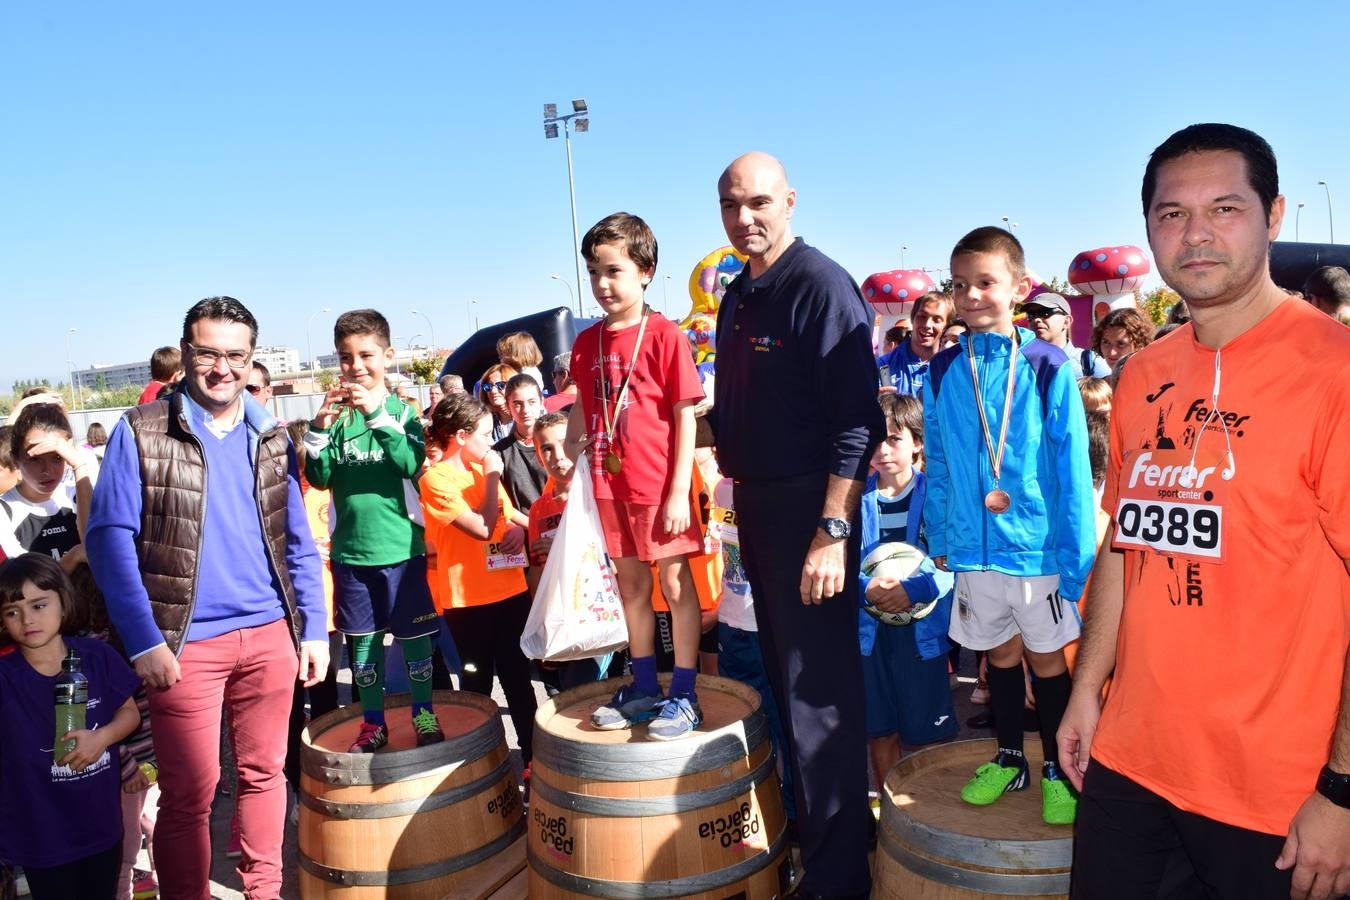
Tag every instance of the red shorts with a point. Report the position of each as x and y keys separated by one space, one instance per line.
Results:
x=635 y=529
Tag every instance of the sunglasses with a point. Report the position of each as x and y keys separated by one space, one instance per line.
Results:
x=1043 y=313
x=494 y=386
x=253 y=388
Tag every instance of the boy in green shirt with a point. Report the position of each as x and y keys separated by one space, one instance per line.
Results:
x=366 y=446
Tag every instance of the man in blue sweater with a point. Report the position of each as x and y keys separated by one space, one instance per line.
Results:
x=199 y=540
x=796 y=405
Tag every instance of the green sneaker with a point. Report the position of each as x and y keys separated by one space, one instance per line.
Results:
x=1059 y=801
x=994 y=779
x=428 y=728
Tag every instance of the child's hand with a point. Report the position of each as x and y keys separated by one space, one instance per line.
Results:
x=53 y=442
x=940 y=562
x=492 y=463
x=361 y=399
x=888 y=595
x=513 y=540
x=675 y=512
x=136 y=783
x=540 y=548
x=333 y=401
x=89 y=746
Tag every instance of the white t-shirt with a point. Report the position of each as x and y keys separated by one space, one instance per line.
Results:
x=46 y=527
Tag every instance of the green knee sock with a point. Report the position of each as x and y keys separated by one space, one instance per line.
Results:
x=368 y=674
x=417 y=657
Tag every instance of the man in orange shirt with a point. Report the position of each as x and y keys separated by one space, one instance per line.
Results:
x=1229 y=488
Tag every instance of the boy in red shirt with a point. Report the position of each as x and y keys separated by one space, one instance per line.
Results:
x=637 y=387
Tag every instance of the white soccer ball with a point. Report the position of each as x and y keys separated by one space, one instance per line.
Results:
x=895 y=560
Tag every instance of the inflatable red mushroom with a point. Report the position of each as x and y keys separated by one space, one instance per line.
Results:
x=893 y=293
x=1110 y=275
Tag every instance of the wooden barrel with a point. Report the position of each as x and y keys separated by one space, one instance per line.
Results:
x=931 y=845
x=616 y=814
x=409 y=822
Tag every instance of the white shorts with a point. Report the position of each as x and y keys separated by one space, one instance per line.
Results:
x=991 y=607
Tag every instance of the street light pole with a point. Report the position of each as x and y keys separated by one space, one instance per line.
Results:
x=473 y=304
x=430 y=326
x=309 y=344
x=903 y=248
x=571 y=298
x=1331 y=227
x=1297 y=213
x=583 y=123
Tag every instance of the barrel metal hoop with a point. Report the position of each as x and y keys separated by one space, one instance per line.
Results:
x=401 y=765
x=1009 y=884
x=640 y=807
x=675 y=887
x=653 y=760
x=415 y=874
x=1047 y=854
x=394 y=808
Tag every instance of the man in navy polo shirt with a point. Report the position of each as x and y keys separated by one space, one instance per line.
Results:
x=796 y=419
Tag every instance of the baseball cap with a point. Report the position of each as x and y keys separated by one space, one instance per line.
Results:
x=1049 y=301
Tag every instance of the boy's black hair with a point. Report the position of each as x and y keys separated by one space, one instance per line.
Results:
x=44 y=573
x=361 y=321
x=165 y=363
x=991 y=239
x=903 y=411
x=455 y=413
x=219 y=309
x=627 y=231
x=7 y=460
x=1330 y=284
x=523 y=380
x=262 y=370
x=1262 y=171
x=43 y=417
x=548 y=420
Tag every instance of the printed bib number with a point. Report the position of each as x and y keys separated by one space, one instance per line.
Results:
x=497 y=558
x=1170 y=505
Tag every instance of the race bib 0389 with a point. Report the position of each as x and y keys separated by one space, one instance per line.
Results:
x=1171 y=505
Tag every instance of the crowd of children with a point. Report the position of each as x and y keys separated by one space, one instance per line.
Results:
x=450 y=514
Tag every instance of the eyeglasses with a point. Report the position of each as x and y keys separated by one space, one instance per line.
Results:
x=253 y=388
x=494 y=386
x=1043 y=313
x=206 y=358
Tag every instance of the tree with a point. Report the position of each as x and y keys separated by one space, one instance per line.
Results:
x=1158 y=302
x=424 y=369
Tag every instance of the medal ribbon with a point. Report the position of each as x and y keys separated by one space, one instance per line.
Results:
x=623 y=388
x=995 y=456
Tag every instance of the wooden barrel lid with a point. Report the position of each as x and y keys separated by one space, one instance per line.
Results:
x=566 y=741
x=922 y=807
x=470 y=721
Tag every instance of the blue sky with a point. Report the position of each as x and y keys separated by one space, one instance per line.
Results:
x=302 y=155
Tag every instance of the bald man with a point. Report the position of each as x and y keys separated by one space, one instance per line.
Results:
x=796 y=419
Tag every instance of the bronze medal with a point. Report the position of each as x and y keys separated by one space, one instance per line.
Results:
x=612 y=463
x=997 y=501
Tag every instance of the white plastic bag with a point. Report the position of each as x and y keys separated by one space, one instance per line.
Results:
x=577 y=613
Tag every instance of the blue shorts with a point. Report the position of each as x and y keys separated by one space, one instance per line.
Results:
x=396 y=598
x=904 y=694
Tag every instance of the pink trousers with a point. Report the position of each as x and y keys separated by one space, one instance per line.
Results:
x=250 y=674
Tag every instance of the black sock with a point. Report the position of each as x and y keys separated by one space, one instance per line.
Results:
x=1052 y=698
x=1007 y=697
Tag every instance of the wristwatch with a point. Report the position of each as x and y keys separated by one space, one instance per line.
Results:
x=836 y=528
x=1334 y=786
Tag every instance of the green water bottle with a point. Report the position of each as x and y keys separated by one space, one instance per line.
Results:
x=72 y=697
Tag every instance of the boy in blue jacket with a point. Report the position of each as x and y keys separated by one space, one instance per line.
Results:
x=1010 y=507
x=904 y=666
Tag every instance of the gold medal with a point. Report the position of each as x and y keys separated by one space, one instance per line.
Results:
x=612 y=463
x=997 y=501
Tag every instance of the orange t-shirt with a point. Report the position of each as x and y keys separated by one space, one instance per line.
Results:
x=317 y=503
x=545 y=516
x=464 y=578
x=1228 y=674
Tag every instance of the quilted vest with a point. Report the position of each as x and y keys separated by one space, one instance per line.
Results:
x=173 y=507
